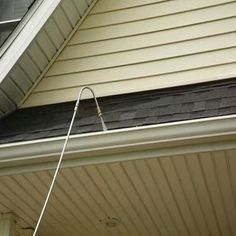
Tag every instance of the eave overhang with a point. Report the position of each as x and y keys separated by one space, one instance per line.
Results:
x=33 y=45
x=25 y=32
x=202 y=135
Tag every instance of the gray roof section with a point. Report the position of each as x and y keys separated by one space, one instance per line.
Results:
x=122 y=111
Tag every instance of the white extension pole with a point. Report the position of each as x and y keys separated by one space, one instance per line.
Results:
x=63 y=151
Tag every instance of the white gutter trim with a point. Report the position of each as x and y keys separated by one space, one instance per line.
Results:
x=26 y=31
x=198 y=133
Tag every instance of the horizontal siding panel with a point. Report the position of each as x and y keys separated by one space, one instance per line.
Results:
x=86 y=78
x=144 y=55
x=195 y=41
x=69 y=91
x=148 y=40
x=145 y=12
x=182 y=19
x=108 y=5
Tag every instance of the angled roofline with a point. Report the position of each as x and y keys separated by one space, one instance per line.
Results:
x=19 y=72
x=24 y=33
x=201 y=135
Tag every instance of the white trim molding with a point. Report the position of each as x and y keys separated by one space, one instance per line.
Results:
x=202 y=135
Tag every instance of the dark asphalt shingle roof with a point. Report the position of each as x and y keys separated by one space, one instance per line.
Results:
x=122 y=111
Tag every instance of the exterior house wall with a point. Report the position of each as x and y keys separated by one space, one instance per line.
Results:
x=128 y=46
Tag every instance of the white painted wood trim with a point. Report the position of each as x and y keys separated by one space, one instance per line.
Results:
x=175 y=138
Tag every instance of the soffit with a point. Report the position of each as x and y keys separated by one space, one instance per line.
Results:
x=23 y=74
x=189 y=194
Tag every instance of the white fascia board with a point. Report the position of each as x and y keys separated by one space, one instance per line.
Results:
x=176 y=138
x=24 y=34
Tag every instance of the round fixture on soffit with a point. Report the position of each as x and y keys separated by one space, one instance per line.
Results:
x=110 y=222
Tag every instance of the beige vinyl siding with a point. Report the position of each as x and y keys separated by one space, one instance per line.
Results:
x=128 y=46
